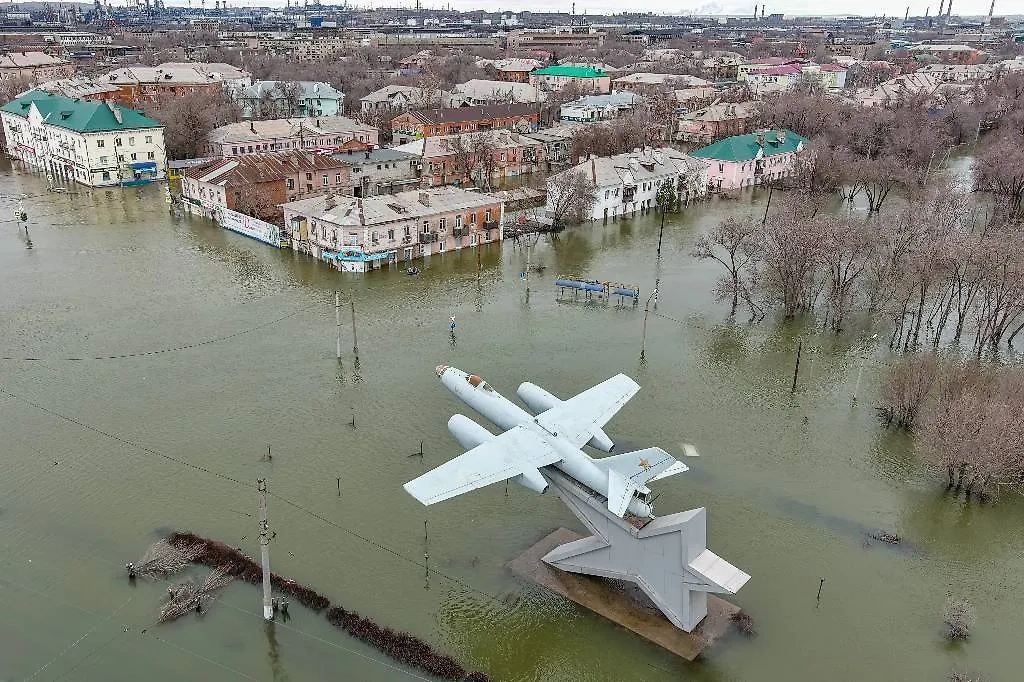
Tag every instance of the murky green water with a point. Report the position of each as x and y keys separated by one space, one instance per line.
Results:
x=793 y=483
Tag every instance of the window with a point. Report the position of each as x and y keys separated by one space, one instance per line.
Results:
x=100 y=143
x=378 y=166
x=131 y=141
x=149 y=139
x=117 y=141
x=391 y=235
x=120 y=157
x=133 y=157
x=309 y=176
x=103 y=160
x=458 y=221
x=374 y=237
x=325 y=181
x=337 y=179
x=442 y=224
x=607 y=193
x=721 y=168
x=291 y=183
x=150 y=156
x=487 y=216
x=407 y=233
x=106 y=175
x=426 y=226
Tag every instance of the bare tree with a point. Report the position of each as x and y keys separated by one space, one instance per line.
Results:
x=958 y=615
x=729 y=243
x=189 y=118
x=571 y=197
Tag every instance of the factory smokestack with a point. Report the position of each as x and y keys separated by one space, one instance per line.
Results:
x=762 y=11
x=942 y=5
x=926 y=11
x=906 y=16
x=949 y=9
x=755 y=11
x=991 y=9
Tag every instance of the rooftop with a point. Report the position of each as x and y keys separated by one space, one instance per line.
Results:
x=389 y=208
x=307 y=89
x=571 y=72
x=378 y=155
x=80 y=115
x=431 y=147
x=26 y=60
x=251 y=131
x=661 y=78
x=638 y=166
x=746 y=147
x=252 y=169
x=464 y=114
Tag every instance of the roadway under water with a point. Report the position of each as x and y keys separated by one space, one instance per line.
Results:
x=91 y=459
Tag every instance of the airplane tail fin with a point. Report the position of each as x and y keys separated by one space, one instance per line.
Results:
x=642 y=466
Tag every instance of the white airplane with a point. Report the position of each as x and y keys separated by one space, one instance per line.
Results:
x=552 y=438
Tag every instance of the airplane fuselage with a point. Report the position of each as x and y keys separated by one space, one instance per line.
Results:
x=505 y=414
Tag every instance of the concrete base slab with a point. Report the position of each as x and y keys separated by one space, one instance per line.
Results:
x=620 y=602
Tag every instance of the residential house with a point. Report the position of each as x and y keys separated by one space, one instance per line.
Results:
x=714 y=122
x=898 y=89
x=627 y=183
x=393 y=98
x=138 y=84
x=289 y=98
x=511 y=70
x=557 y=141
x=752 y=159
x=35 y=67
x=587 y=78
x=93 y=143
x=452 y=159
x=356 y=234
x=257 y=184
x=478 y=92
x=591 y=108
x=381 y=171
x=322 y=134
x=644 y=82
x=775 y=78
x=413 y=125
x=960 y=73
x=947 y=54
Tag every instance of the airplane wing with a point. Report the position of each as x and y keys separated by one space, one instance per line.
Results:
x=580 y=416
x=505 y=456
x=620 y=492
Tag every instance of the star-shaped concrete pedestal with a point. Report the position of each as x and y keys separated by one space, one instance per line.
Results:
x=667 y=558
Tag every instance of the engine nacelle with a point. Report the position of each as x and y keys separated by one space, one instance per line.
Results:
x=540 y=400
x=468 y=432
x=531 y=479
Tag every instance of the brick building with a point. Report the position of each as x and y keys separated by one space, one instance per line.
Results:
x=413 y=125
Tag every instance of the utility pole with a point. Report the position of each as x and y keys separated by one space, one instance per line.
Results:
x=337 y=318
x=265 y=536
x=355 y=346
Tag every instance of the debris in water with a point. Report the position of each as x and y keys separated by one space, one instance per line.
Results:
x=744 y=623
x=163 y=559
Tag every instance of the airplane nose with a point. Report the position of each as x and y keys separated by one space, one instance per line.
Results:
x=440 y=369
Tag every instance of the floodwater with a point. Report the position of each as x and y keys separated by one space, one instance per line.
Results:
x=151 y=361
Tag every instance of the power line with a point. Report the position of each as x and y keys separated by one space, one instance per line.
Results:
x=175 y=349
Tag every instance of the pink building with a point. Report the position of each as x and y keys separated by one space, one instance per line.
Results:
x=319 y=134
x=753 y=159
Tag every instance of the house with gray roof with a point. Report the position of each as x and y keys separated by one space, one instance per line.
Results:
x=287 y=98
x=591 y=108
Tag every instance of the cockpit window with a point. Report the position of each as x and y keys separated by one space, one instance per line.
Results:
x=478 y=382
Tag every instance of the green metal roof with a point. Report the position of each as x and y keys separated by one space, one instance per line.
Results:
x=571 y=71
x=78 y=114
x=744 y=147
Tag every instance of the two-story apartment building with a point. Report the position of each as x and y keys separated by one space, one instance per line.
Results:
x=93 y=143
x=752 y=159
x=356 y=234
x=714 y=122
x=137 y=84
x=591 y=108
x=627 y=183
x=511 y=70
x=452 y=159
x=645 y=82
x=478 y=92
x=316 y=133
x=414 y=125
x=257 y=184
x=395 y=98
x=288 y=98
x=588 y=79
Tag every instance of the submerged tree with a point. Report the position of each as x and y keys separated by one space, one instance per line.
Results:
x=571 y=195
x=958 y=615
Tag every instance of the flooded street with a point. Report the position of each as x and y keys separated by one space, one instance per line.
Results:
x=150 y=361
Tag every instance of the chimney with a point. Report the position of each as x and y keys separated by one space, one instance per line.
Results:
x=782 y=136
x=760 y=139
x=424 y=198
x=252 y=126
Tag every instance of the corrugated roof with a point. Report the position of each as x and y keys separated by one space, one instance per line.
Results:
x=463 y=114
x=745 y=147
x=250 y=169
x=571 y=72
x=79 y=115
x=389 y=208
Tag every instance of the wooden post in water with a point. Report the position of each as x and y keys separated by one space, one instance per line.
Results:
x=355 y=345
x=796 y=369
x=337 y=318
x=819 y=592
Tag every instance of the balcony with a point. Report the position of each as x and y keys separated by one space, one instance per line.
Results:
x=491 y=224
x=428 y=237
x=457 y=232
